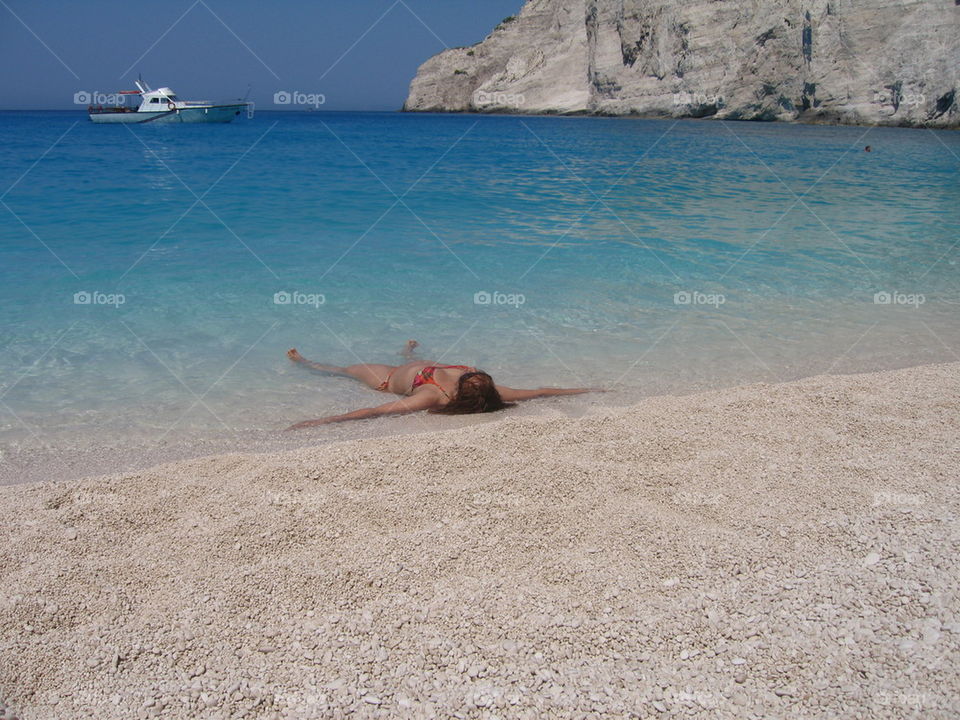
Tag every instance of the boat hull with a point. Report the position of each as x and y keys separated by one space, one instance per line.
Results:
x=205 y=114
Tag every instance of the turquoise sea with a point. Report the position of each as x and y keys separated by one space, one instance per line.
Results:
x=152 y=278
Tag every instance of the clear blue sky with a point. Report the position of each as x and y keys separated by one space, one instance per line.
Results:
x=359 y=54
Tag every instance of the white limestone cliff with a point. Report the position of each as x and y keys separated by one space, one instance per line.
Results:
x=885 y=62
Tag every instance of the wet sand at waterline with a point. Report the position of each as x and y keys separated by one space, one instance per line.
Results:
x=771 y=550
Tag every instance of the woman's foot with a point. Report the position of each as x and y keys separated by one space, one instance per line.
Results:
x=295 y=355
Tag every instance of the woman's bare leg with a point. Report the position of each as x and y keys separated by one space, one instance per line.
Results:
x=373 y=375
x=296 y=357
x=367 y=373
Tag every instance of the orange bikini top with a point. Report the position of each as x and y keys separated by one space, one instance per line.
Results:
x=425 y=376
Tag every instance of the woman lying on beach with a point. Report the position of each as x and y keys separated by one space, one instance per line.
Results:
x=449 y=389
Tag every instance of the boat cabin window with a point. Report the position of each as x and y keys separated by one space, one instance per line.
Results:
x=154 y=100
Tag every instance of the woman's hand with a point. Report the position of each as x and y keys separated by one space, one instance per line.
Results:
x=513 y=395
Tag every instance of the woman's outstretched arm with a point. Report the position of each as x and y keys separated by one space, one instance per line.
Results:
x=513 y=395
x=414 y=403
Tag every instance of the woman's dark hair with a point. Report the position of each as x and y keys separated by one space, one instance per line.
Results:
x=476 y=393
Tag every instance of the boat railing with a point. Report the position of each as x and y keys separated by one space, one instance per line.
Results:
x=109 y=109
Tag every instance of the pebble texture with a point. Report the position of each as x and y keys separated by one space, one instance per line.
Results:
x=870 y=62
x=765 y=551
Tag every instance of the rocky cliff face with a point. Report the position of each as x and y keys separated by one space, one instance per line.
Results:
x=888 y=62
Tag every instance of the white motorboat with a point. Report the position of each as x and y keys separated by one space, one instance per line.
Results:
x=163 y=106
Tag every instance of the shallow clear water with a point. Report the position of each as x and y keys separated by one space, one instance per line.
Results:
x=398 y=221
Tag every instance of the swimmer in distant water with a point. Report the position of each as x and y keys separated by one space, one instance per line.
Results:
x=448 y=389
x=868 y=149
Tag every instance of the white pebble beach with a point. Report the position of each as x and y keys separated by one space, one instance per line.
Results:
x=784 y=550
